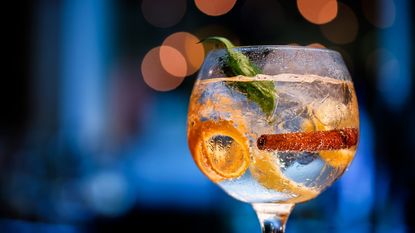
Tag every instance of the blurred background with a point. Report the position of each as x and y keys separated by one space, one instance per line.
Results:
x=93 y=122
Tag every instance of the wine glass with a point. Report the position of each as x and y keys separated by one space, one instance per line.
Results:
x=279 y=137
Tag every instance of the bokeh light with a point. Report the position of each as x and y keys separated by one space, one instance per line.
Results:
x=187 y=44
x=154 y=74
x=381 y=60
x=215 y=7
x=344 y=28
x=392 y=84
x=163 y=13
x=173 y=61
x=316 y=45
x=371 y=9
x=107 y=193
x=388 y=69
x=318 y=11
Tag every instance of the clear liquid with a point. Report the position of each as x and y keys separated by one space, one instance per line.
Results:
x=303 y=103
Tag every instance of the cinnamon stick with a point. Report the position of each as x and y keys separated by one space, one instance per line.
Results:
x=309 y=141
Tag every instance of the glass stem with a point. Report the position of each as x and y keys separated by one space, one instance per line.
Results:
x=273 y=217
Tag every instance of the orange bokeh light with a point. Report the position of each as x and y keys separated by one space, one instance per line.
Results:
x=163 y=13
x=154 y=74
x=173 y=61
x=344 y=28
x=316 y=45
x=318 y=11
x=187 y=44
x=215 y=7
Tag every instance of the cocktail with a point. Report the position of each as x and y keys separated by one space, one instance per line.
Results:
x=273 y=125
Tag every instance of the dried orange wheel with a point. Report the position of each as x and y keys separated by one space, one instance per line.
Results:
x=219 y=149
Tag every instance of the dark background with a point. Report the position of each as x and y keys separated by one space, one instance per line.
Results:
x=87 y=146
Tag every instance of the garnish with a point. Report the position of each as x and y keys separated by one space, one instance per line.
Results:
x=236 y=63
x=310 y=141
x=219 y=162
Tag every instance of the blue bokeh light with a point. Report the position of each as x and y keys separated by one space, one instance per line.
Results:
x=394 y=71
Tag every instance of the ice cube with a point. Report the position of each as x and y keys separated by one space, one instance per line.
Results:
x=330 y=113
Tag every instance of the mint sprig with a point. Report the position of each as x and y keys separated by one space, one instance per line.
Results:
x=236 y=63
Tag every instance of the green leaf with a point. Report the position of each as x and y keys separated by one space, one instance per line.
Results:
x=236 y=63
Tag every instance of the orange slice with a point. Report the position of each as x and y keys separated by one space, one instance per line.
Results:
x=265 y=169
x=219 y=149
x=339 y=158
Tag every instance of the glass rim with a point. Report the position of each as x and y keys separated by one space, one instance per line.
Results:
x=303 y=60
x=279 y=47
